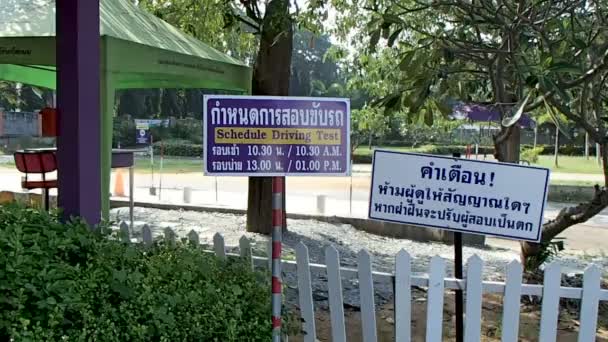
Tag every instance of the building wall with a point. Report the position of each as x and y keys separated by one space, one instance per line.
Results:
x=19 y=124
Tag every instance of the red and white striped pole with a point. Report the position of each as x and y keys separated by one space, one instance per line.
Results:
x=278 y=185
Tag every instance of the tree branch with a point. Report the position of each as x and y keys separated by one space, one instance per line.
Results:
x=576 y=118
x=240 y=18
x=603 y=64
x=568 y=217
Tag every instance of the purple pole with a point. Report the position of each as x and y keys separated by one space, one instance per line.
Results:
x=78 y=105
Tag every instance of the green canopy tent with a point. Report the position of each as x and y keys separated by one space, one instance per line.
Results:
x=138 y=50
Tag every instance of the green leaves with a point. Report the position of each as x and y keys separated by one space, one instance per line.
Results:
x=373 y=39
x=547 y=84
x=407 y=59
x=508 y=122
x=563 y=67
x=71 y=284
x=391 y=18
x=393 y=37
x=555 y=117
x=428 y=116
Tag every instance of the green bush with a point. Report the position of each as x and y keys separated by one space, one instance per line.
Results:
x=62 y=282
x=179 y=148
x=188 y=129
x=566 y=150
x=450 y=149
x=365 y=156
x=531 y=154
x=362 y=158
x=123 y=132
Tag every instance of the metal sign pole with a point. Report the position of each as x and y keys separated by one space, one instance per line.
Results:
x=152 y=189
x=160 y=172
x=350 y=196
x=459 y=298
x=278 y=187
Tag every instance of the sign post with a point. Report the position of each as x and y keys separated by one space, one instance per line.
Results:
x=264 y=136
x=277 y=240
x=461 y=195
x=459 y=298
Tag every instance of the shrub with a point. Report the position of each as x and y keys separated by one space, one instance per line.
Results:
x=567 y=150
x=179 y=148
x=123 y=132
x=450 y=149
x=188 y=129
x=64 y=282
x=364 y=156
x=531 y=154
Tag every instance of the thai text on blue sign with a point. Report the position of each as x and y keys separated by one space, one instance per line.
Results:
x=276 y=136
x=471 y=196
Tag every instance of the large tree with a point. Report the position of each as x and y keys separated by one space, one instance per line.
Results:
x=226 y=25
x=271 y=75
x=516 y=56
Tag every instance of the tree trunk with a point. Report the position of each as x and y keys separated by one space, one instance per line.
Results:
x=556 y=150
x=506 y=144
x=604 y=152
x=271 y=75
x=570 y=216
x=371 y=136
x=586 y=145
x=535 y=135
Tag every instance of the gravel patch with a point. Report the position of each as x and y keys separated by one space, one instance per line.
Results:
x=345 y=238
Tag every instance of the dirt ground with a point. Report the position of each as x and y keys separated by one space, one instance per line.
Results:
x=491 y=322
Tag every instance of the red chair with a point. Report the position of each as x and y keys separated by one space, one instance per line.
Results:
x=37 y=162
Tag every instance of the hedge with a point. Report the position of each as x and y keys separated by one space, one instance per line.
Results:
x=566 y=150
x=361 y=156
x=366 y=157
x=179 y=148
x=62 y=282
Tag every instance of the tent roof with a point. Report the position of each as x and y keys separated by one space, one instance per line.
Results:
x=119 y=19
x=138 y=50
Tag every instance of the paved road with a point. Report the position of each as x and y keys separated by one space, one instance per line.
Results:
x=308 y=195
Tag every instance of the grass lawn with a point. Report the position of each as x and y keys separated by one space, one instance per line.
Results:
x=170 y=165
x=574 y=183
x=569 y=164
x=365 y=151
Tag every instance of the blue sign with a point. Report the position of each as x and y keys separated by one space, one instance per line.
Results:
x=143 y=136
x=276 y=136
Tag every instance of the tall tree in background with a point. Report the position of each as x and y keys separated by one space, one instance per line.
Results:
x=310 y=68
x=9 y=99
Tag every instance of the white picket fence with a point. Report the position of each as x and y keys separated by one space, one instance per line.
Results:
x=436 y=281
